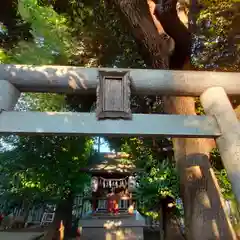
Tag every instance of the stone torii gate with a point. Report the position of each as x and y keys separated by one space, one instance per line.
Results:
x=114 y=116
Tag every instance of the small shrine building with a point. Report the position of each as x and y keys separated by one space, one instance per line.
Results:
x=113 y=203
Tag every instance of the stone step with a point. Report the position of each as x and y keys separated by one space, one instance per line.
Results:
x=106 y=215
x=111 y=217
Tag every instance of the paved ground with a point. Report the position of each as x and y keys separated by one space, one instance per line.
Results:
x=18 y=235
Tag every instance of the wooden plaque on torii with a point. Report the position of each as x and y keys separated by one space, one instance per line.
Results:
x=113 y=95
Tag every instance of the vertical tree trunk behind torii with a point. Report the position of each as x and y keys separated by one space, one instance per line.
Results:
x=205 y=217
x=203 y=202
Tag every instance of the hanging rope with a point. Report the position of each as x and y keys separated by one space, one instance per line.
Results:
x=109 y=183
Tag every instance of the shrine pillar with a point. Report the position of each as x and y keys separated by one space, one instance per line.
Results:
x=94 y=186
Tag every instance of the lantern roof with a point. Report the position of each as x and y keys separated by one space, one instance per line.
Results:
x=119 y=163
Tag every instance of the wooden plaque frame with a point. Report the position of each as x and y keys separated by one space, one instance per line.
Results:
x=113 y=95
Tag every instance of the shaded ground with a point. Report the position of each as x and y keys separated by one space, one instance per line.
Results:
x=151 y=234
x=29 y=229
x=18 y=235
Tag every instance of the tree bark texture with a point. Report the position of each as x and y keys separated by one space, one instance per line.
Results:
x=26 y=205
x=63 y=213
x=154 y=43
x=205 y=217
x=204 y=207
x=171 y=226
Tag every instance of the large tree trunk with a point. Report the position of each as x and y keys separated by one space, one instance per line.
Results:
x=171 y=226
x=205 y=217
x=26 y=205
x=154 y=44
x=63 y=214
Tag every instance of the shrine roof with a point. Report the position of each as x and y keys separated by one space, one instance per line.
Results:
x=119 y=163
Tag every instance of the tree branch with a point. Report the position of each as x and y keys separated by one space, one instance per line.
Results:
x=154 y=45
x=166 y=13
